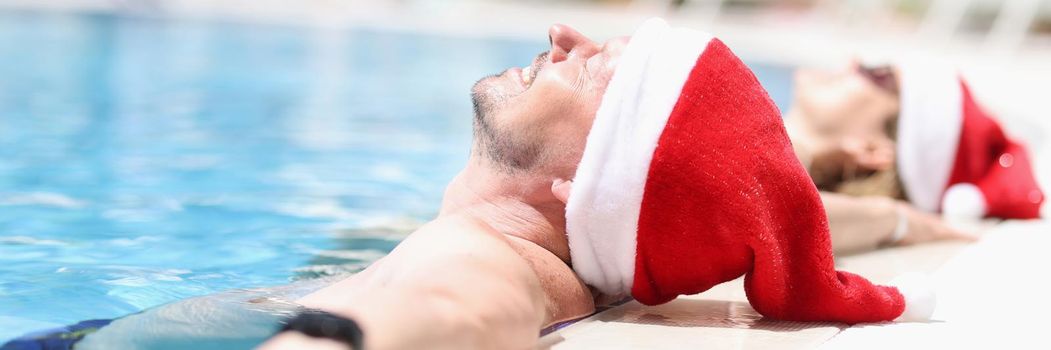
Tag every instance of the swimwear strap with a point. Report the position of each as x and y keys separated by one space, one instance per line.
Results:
x=321 y=324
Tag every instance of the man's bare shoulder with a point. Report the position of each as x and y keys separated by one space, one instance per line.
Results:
x=455 y=237
x=567 y=297
x=459 y=225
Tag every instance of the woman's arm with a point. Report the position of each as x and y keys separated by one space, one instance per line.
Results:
x=866 y=223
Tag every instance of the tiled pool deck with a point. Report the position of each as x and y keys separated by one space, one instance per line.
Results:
x=990 y=293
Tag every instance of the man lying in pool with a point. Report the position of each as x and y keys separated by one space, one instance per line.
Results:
x=491 y=270
x=687 y=181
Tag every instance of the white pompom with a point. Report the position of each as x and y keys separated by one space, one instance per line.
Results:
x=963 y=201
x=920 y=298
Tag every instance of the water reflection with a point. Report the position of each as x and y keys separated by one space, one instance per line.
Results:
x=146 y=161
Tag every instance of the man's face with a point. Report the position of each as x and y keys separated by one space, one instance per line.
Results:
x=538 y=116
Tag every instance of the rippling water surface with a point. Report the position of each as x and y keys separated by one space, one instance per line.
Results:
x=147 y=161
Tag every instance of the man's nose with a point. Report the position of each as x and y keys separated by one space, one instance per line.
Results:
x=567 y=42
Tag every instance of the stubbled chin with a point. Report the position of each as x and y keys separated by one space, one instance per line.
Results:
x=493 y=93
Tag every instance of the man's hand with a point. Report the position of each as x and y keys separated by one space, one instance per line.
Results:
x=927 y=227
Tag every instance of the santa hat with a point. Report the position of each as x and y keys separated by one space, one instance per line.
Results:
x=688 y=180
x=953 y=157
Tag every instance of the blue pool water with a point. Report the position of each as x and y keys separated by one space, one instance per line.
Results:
x=148 y=161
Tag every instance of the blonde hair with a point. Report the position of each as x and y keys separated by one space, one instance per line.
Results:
x=884 y=183
x=853 y=181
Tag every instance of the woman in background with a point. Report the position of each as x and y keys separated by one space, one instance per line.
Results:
x=891 y=147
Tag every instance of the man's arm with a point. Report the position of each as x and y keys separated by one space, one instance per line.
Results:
x=453 y=284
x=866 y=223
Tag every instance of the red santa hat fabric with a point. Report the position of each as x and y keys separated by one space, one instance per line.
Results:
x=953 y=157
x=688 y=180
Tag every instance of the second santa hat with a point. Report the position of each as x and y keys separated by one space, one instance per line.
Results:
x=688 y=180
x=954 y=157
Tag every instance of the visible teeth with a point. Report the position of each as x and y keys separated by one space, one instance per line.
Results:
x=527 y=74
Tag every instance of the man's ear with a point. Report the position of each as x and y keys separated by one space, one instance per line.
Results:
x=560 y=188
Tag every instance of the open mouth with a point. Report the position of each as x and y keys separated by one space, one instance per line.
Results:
x=528 y=73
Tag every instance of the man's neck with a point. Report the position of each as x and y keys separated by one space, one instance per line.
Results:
x=516 y=205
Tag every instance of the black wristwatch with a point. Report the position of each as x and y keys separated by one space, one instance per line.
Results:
x=322 y=324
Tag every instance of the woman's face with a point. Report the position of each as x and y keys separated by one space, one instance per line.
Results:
x=850 y=111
